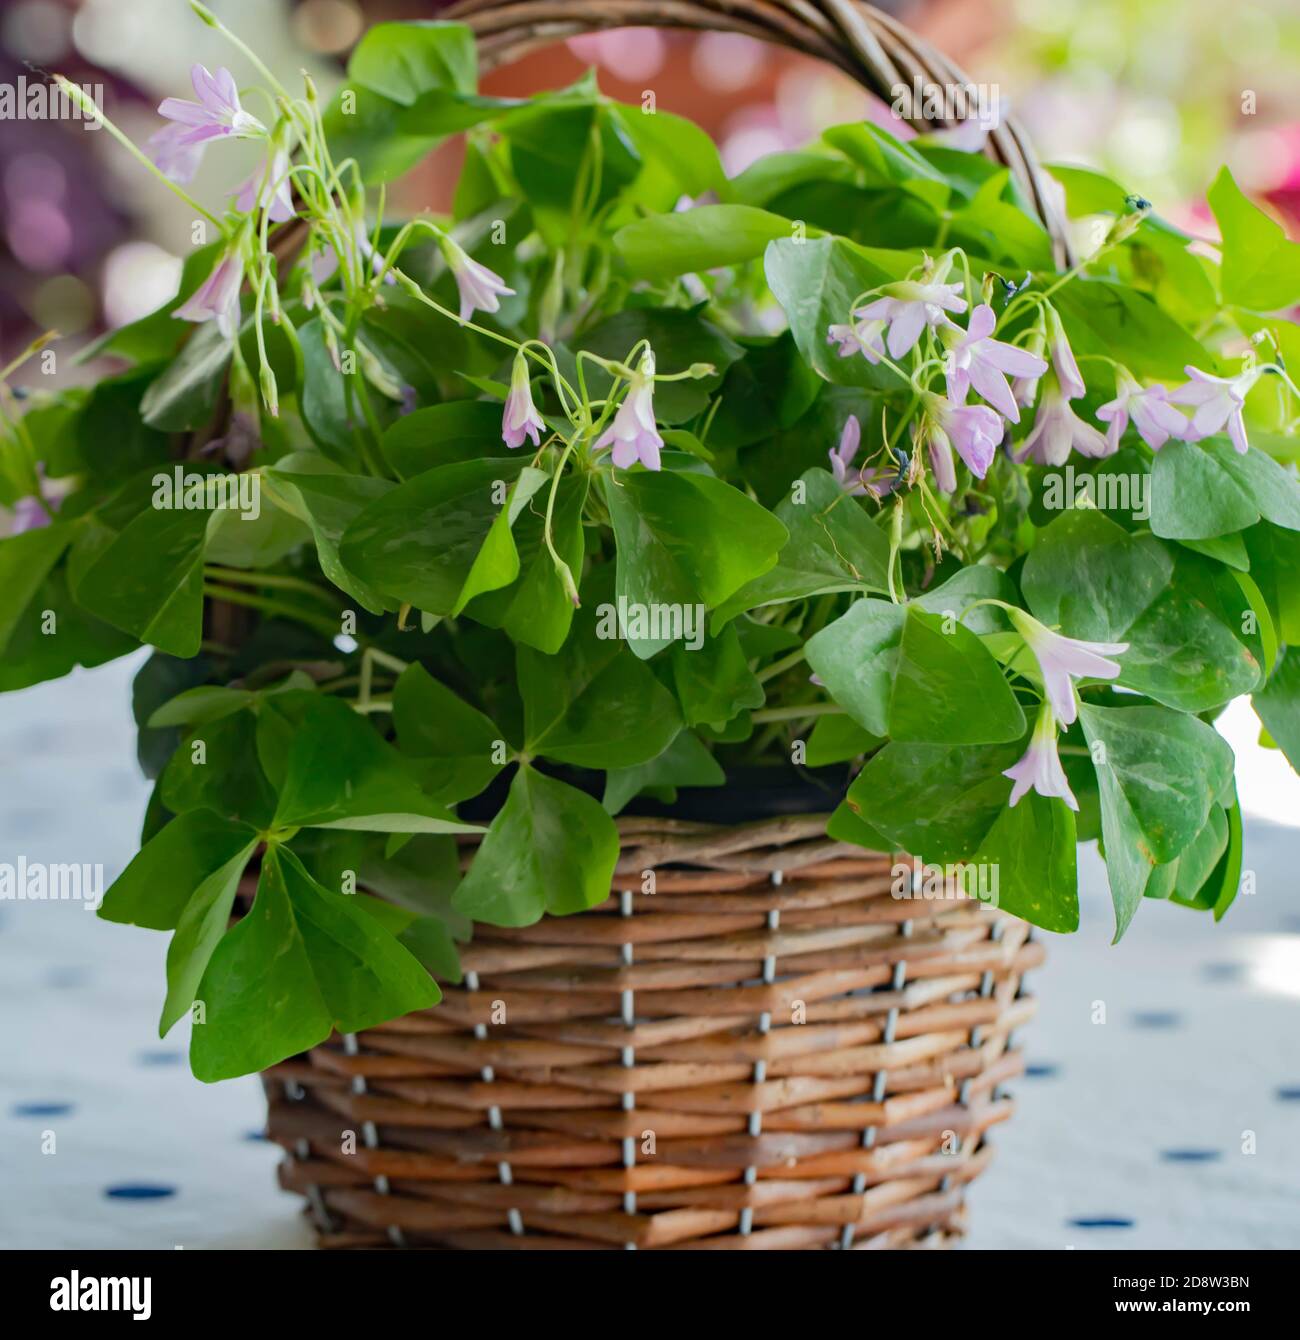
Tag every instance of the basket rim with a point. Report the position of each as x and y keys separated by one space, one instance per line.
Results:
x=875 y=48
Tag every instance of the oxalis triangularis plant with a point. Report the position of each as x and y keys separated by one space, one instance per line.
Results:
x=625 y=477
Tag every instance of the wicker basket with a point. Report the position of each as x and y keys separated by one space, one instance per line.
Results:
x=768 y=1050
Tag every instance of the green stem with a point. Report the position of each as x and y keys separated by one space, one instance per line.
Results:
x=895 y=547
x=88 y=106
x=393 y=663
x=796 y=713
x=272 y=581
x=236 y=597
x=902 y=423
x=240 y=45
x=418 y=293
x=561 y=567
x=34 y=347
x=779 y=667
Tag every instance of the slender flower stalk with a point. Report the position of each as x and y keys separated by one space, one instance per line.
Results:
x=324 y=261
x=1039 y=767
x=239 y=44
x=1063 y=659
x=90 y=108
x=268 y=188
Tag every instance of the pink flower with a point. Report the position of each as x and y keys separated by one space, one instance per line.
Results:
x=29 y=513
x=939 y=446
x=871 y=482
x=842 y=456
x=1025 y=389
x=1063 y=659
x=1039 y=768
x=908 y=307
x=217 y=298
x=521 y=418
x=633 y=435
x=217 y=113
x=975 y=430
x=863 y=337
x=480 y=288
x=976 y=359
x=1218 y=401
x=268 y=188
x=1063 y=362
x=173 y=154
x=1153 y=416
x=1058 y=429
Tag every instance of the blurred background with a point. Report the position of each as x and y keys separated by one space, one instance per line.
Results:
x=1157 y=92
x=1175 y=1123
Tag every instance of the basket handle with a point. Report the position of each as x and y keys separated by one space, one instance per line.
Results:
x=870 y=46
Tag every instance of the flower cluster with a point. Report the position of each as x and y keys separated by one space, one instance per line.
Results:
x=338 y=228
x=1010 y=377
x=892 y=325
x=1061 y=660
x=217 y=113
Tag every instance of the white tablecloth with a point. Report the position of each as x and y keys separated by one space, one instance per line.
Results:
x=1131 y=1133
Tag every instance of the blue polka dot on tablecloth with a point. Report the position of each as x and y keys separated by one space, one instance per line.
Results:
x=40 y=1110
x=1189 y=1155
x=1156 y=1019
x=139 y=1191
x=26 y=822
x=1102 y=1221
x=160 y=1058
x=1041 y=1070
x=1224 y=972
x=63 y=979
x=1289 y=1094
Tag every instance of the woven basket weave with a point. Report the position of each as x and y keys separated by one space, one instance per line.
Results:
x=767 y=1051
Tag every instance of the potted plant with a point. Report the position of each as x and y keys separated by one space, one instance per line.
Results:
x=566 y=611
